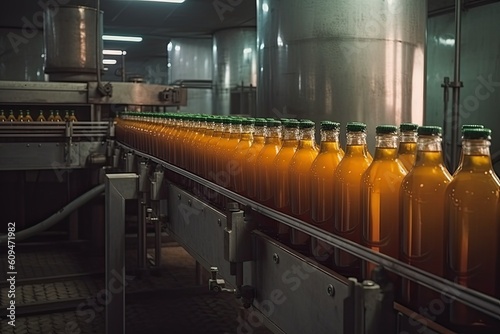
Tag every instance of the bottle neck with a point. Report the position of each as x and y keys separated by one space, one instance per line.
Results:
x=291 y=134
x=386 y=146
x=429 y=143
x=306 y=138
x=259 y=131
x=273 y=134
x=356 y=144
x=408 y=137
x=429 y=151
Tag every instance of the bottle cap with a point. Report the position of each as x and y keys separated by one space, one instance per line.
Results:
x=273 y=122
x=248 y=121
x=356 y=127
x=386 y=129
x=477 y=133
x=429 y=131
x=306 y=124
x=260 y=122
x=471 y=126
x=408 y=127
x=291 y=124
x=329 y=125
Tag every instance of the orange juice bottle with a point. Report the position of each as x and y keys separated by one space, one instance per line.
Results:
x=202 y=148
x=40 y=117
x=264 y=163
x=210 y=148
x=380 y=186
x=300 y=183
x=2 y=116
x=11 y=117
x=250 y=166
x=72 y=117
x=57 y=117
x=230 y=166
x=407 y=151
x=27 y=117
x=322 y=172
x=51 y=116
x=473 y=217
x=282 y=176
x=347 y=195
x=20 y=117
x=239 y=156
x=465 y=127
x=422 y=215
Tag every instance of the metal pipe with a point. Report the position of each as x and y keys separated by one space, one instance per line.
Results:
x=98 y=43
x=457 y=84
x=123 y=67
x=56 y=217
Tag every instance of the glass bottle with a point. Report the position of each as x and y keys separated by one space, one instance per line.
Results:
x=27 y=117
x=2 y=116
x=51 y=116
x=40 y=117
x=347 y=196
x=239 y=155
x=282 y=177
x=465 y=127
x=57 y=117
x=407 y=151
x=66 y=116
x=20 y=117
x=265 y=163
x=473 y=217
x=72 y=117
x=380 y=186
x=11 y=117
x=250 y=166
x=422 y=215
x=322 y=174
x=300 y=183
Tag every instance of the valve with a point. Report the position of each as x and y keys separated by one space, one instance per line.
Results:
x=217 y=284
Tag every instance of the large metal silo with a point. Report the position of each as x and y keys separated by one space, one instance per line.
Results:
x=73 y=44
x=235 y=71
x=190 y=64
x=345 y=60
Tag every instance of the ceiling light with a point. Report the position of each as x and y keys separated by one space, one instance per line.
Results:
x=122 y=38
x=168 y=1
x=114 y=52
x=109 y=61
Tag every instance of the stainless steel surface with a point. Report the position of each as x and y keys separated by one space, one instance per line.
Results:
x=137 y=94
x=141 y=214
x=237 y=239
x=41 y=155
x=55 y=129
x=71 y=40
x=83 y=93
x=287 y=289
x=190 y=59
x=480 y=73
x=235 y=65
x=345 y=60
x=477 y=300
x=119 y=187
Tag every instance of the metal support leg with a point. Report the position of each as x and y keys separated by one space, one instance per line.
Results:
x=119 y=187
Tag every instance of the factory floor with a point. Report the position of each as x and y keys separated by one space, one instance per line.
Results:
x=60 y=290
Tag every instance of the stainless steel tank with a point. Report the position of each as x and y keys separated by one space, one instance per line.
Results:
x=234 y=71
x=190 y=64
x=71 y=43
x=345 y=60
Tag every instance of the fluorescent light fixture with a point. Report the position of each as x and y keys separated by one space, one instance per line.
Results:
x=122 y=38
x=109 y=61
x=114 y=52
x=167 y=1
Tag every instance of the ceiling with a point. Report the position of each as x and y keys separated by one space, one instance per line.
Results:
x=158 y=22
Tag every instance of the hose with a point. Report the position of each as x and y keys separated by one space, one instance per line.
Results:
x=56 y=217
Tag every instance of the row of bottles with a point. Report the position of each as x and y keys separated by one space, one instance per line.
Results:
x=26 y=117
x=402 y=202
